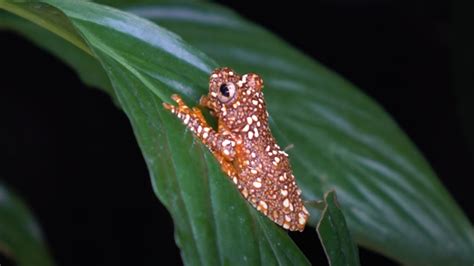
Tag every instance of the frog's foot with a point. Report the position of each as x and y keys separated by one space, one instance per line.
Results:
x=183 y=111
x=197 y=112
x=182 y=108
x=204 y=101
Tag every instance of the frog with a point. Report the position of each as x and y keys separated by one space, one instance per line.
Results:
x=244 y=146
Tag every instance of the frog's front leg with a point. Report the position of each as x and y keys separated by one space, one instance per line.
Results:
x=221 y=144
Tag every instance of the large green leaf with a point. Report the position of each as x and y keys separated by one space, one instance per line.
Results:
x=145 y=63
x=20 y=235
x=392 y=199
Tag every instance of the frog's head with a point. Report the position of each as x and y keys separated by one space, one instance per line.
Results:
x=230 y=96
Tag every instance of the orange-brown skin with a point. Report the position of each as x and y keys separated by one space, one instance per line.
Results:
x=245 y=147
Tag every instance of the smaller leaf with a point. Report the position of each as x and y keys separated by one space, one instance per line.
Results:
x=20 y=236
x=334 y=234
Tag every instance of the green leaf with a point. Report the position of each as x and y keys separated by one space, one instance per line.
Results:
x=20 y=235
x=334 y=234
x=145 y=63
x=392 y=200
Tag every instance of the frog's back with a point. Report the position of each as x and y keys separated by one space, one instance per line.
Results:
x=265 y=176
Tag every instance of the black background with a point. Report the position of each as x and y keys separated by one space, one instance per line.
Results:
x=73 y=158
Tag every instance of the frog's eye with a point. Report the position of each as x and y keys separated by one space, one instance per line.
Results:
x=226 y=92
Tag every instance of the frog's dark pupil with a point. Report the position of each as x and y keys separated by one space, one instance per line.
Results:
x=224 y=90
